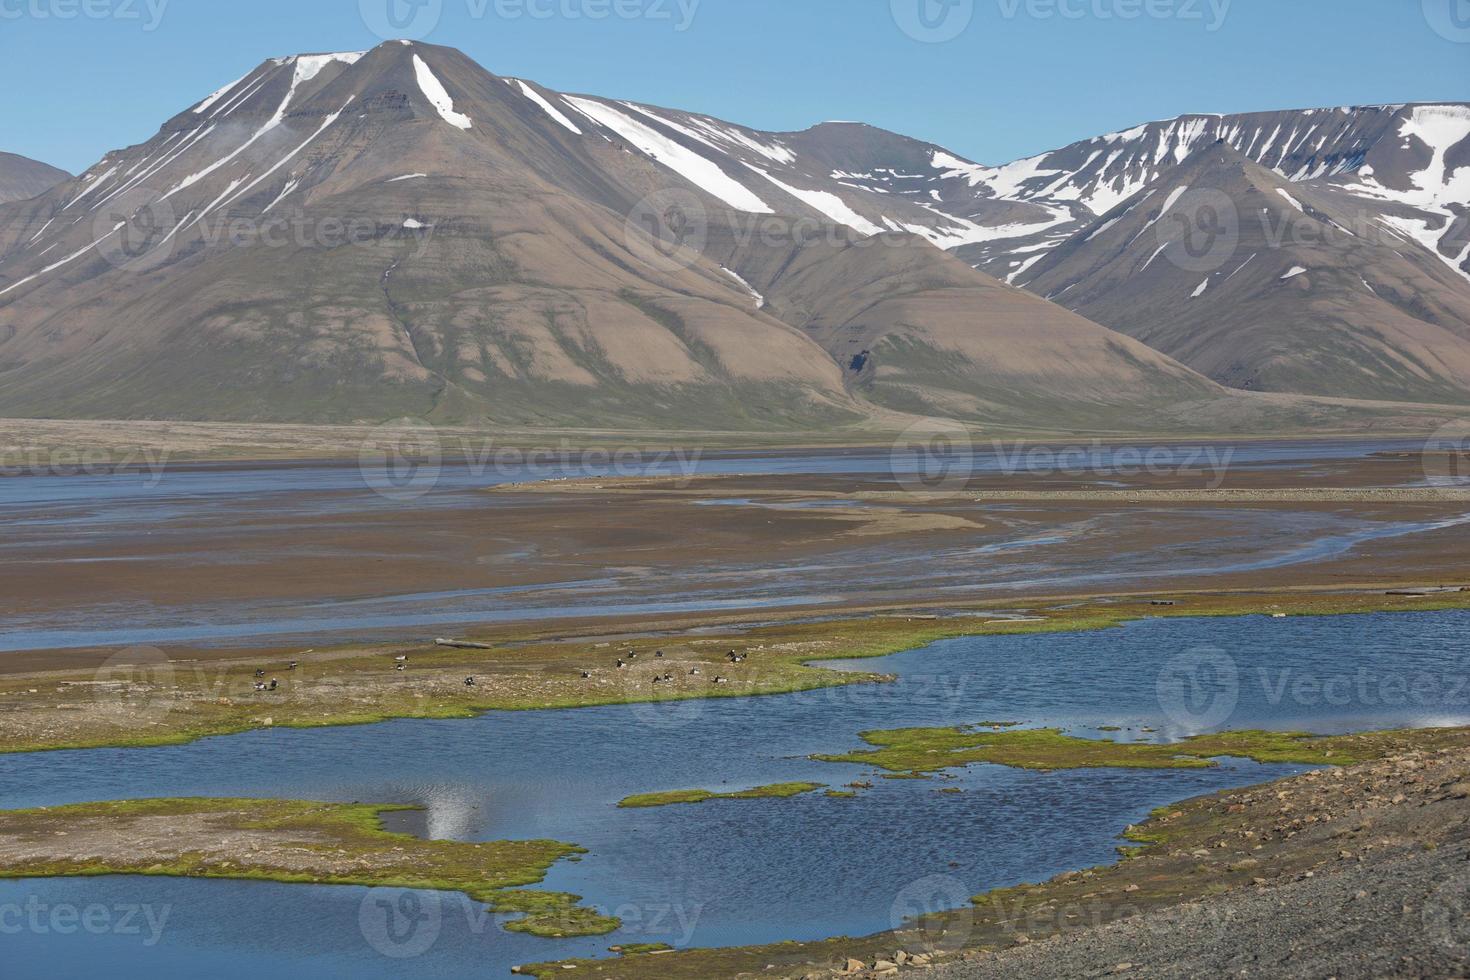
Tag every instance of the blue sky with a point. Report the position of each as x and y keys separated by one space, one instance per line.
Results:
x=1019 y=76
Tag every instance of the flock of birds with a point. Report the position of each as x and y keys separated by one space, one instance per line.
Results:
x=400 y=664
x=626 y=660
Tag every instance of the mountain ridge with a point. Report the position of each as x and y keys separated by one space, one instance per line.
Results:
x=503 y=274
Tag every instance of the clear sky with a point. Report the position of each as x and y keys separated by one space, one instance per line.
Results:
x=1017 y=77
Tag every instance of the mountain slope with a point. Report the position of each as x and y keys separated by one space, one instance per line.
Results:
x=1283 y=296
x=1406 y=155
x=21 y=177
x=363 y=235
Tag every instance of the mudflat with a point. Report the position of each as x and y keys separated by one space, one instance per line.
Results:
x=283 y=571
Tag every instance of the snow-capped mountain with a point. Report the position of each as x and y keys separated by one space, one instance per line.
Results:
x=1341 y=244
x=367 y=234
x=22 y=177
x=399 y=231
x=1266 y=284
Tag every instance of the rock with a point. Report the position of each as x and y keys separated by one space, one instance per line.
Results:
x=1122 y=967
x=900 y=957
x=854 y=966
x=885 y=966
x=1131 y=888
x=1459 y=791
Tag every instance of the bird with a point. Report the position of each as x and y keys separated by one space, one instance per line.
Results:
x=622 y=664
x=694 y=672
x=259 y=686
x=274 y=683
x=721 y=680
x=292 y=665
x=659 y=655
x=400 y=667
x=260 y=673
x=469 y=682
x=401 y=660
x=586 y=675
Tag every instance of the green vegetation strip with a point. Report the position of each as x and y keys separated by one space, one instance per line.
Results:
x=915 y=751
x=779 y=791
x=294 y=842
x=354 y=686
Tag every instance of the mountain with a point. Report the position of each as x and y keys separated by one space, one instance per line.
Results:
x=365 y=235
x=1293 y=291
x=1347 y=270
x=21 y=177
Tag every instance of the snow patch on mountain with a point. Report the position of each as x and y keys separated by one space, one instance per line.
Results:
x=218 y=94
x=435 y=92
x=309 y=66
x=828 y=204
x=551 y=110
x=760 y=301
x=698 y=170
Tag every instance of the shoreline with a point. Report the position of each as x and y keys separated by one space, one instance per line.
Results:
x=1214 y=849
x=1398 y=796
x=291 y=443
x=159 y=702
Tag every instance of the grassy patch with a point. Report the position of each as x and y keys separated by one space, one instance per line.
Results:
x=779 y=791
x=293 y=842
x=917 y=751
x=527 y=670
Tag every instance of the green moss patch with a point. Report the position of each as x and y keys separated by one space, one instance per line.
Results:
x=293 y=842
x=778 y=791
x=916 y=751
